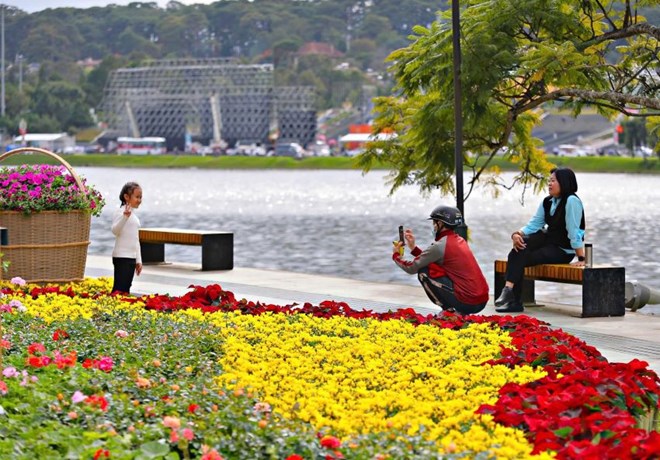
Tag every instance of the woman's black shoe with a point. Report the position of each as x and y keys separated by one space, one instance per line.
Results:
x=506 y=296
x=510 y=307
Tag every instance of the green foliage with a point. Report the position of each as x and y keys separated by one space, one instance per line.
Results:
x=63 y=101
x=165 y=352
x=96 y=79
x=516 y=57
x=4 y=264
x=264 y=31
x=48 y=37
x=634 y=134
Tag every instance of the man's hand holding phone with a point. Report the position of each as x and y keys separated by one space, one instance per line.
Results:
x=399 y=246
x=409 y=239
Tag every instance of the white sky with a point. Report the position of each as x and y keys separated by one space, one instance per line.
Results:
x=31 y=6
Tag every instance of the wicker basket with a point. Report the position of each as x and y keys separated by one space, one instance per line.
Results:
x=49 y=246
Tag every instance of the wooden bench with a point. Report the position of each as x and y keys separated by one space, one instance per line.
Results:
x=603 y=286
x=217 y=247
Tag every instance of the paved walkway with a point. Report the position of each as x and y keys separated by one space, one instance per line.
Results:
x=619 y=339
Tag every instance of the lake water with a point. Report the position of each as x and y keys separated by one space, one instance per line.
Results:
x=342 y=223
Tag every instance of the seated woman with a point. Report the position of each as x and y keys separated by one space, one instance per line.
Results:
x=554 y=235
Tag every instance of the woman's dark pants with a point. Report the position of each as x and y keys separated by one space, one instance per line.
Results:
x=537 y=252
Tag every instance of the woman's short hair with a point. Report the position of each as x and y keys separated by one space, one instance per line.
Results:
x=567 y=181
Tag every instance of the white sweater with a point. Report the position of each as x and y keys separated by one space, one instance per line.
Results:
x=126 y=231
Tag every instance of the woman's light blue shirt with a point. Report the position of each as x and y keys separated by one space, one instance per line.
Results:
x=573 y=218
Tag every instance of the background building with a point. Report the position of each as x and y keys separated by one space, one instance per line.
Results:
x=207 y=101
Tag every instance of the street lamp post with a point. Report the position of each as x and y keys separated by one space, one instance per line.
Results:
x=20 y=73
x=2 y=58
x=458 y=112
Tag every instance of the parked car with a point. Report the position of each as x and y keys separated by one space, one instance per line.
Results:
x=354 y=152
x=249 y=148
x=94 y=148
x=643 y=151
x=570 y=150
x=319 y=149
x=289 y=149
x=73 y=149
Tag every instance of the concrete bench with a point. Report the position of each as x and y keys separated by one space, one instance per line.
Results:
x=217 y=247
x=603 y=286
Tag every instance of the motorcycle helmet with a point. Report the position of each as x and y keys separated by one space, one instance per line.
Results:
x=448 y=215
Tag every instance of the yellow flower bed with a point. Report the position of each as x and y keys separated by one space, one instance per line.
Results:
x=54 y=307
x=353 y=376
x=360 y=376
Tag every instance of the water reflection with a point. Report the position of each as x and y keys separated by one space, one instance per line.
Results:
x=342 y=223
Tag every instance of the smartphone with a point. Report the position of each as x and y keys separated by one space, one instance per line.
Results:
x=401 y=239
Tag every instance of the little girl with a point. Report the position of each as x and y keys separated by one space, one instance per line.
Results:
x=126 y=256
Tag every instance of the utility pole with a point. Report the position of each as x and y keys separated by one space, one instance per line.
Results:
x=458 y=112
x=349 y=28
x=2 y=57
x=20 y=73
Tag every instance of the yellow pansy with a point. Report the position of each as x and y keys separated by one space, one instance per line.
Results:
x=364 y=376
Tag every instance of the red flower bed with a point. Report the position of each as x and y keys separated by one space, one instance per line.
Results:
x=584 y=408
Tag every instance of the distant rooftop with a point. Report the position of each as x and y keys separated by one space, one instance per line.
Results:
x=324 y=49
x=40 y=137
x=556 y=129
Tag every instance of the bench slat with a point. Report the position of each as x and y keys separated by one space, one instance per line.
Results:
x=548 y=272
x=180 y=230
x=175 y=235
x=155 y=236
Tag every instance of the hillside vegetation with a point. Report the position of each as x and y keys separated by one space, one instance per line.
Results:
x=58 y=60
x=49 y=86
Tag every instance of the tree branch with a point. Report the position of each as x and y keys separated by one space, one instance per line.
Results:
x=617 y=99
x=643 y=28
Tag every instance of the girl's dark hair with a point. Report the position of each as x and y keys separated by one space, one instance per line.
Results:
x=127 y=189
x=567 y=181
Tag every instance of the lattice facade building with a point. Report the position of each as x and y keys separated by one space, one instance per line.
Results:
x=209 y=100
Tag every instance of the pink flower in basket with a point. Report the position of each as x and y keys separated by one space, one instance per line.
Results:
x=35 y=188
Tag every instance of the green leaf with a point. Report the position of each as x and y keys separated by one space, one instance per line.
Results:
x=563 y=432
x=154 y=449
